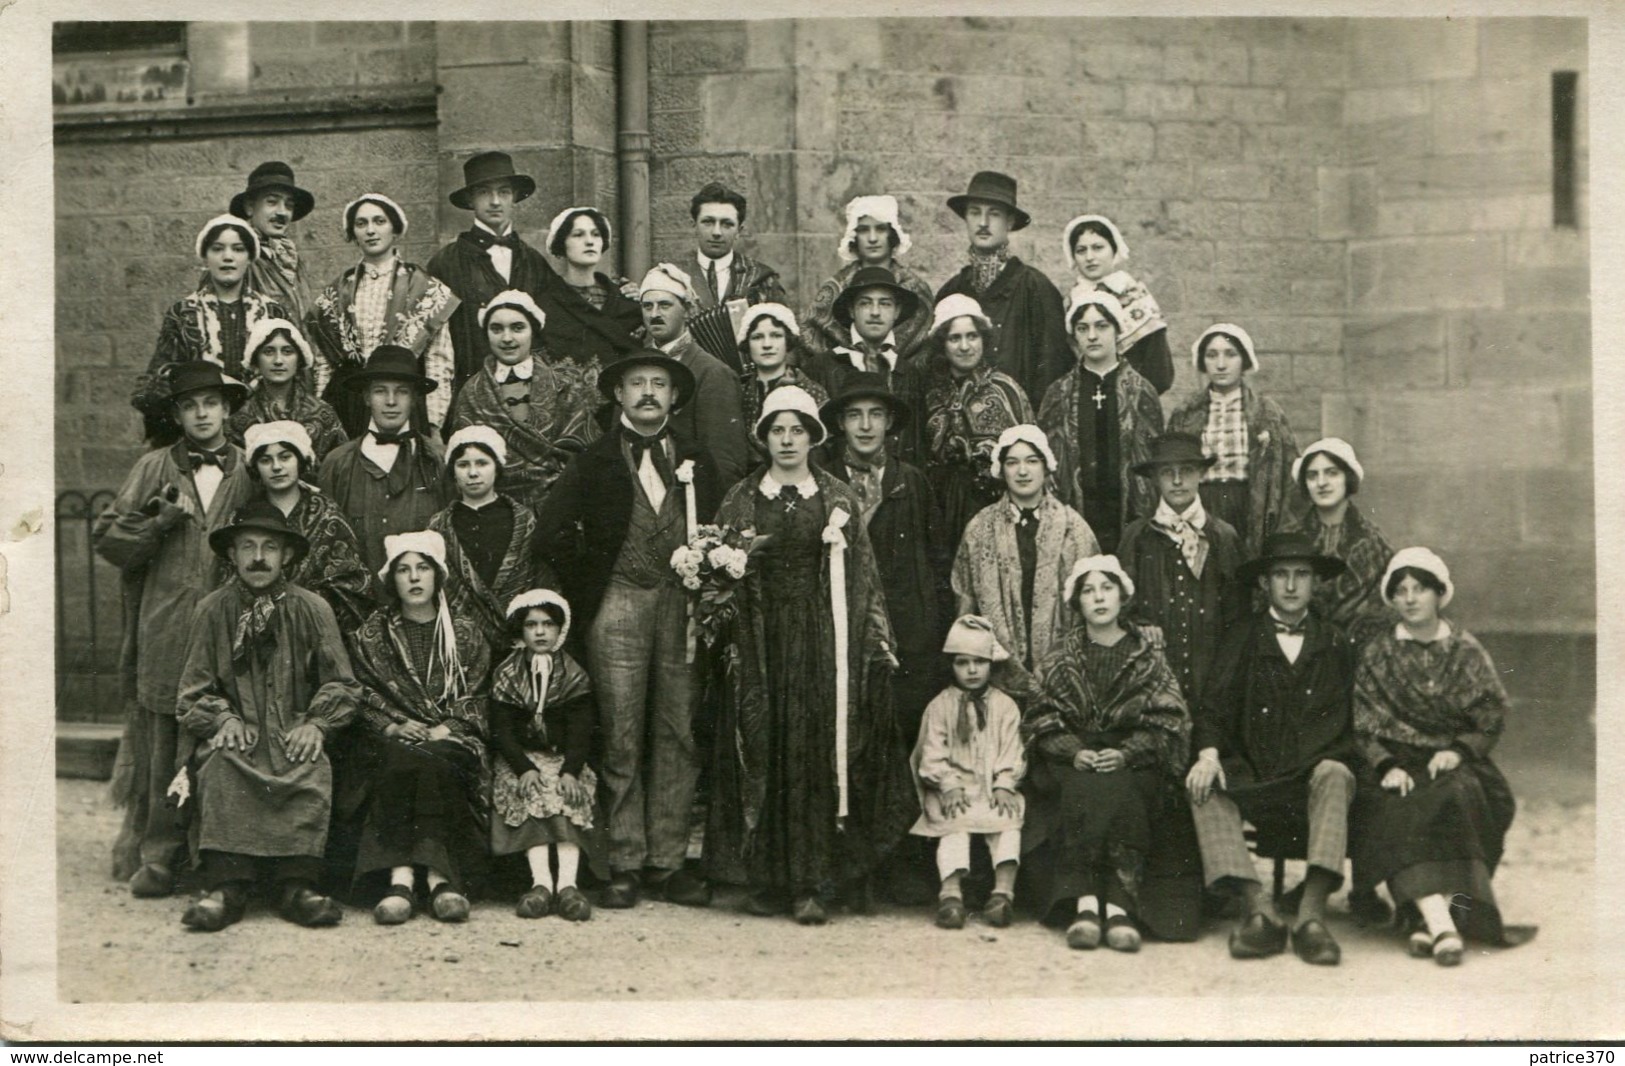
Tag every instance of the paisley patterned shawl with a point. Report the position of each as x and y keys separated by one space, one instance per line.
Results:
x=987 y=581
x=965 y=417
x=190 y=331
x=822 y=334
x=1143 y=699
x=1139 y=422
x=1427 y=695
x=419 y=307
x=317 y=416
x=394 y=692
x=560 y=425
x=513 y=683
x=1144 y=316
x=1353 y=599
x=1271 y=451
x=745 y=653
x=465 y=591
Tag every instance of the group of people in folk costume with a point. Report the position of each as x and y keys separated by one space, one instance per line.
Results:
x=418 y=578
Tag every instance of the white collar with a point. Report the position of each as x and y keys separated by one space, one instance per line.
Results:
x=860 y=359
x=626 y=424
x=770 y=488
x=724 y=263
x=480 y=225
x=1016 y=508
x=372 y=427
x=1195 y=515
x=1401 y=633
x=1277 y=616
x=1215 y=398
x=389 y=266
x=489 y=500
x=672 y=344
x=520 y=371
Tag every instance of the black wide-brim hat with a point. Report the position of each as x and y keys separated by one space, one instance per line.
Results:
x=875 y=277
x=390 y=362
x=682 y=378
x=1173 y=448
x=488 y=167
x=197 y=374
x=268 y=176
x=863 y=386
x=1279 y=547
x=995 y=188
x=263 y=516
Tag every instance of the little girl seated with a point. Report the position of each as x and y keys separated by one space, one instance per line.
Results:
x=541 y=716
x=969 y=762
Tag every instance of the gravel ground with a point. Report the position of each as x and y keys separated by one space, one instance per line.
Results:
x=112 y=948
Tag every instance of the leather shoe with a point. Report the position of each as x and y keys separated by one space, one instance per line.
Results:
x=1258 y=938
x=1122 y=934
x=1370 y=909
x=951 y=913
x=447 y=904
x=304 y=906
x=1312 y=942
x=998 y=911
x=572 y=905
x=687 y=889
x=1084 y=932
x=209 y=914
x=152 y=881
x=810 y=911
x=621 y=893
x=766 y=904
x=537 y=902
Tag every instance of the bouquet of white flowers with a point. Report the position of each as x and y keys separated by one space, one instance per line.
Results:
x=711 y=566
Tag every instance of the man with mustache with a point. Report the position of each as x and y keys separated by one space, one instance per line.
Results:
x=1025 y=306
x=154 y=531
x=272 y=203
x=724 y=276
x=489 y=257
x=266 y=682
x=713 y=415
x=609 y=530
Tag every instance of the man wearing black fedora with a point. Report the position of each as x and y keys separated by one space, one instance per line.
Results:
x=609 y=529
x=1183 y=562
x=388 y=480
x=272 y=203
x=1274 y=739
x=267 y=680
x=1025 y=306
x=154 y=531
x=870 y=308
x=489 y=257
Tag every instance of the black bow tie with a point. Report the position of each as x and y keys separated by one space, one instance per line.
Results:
x=861 y=468
x=1290 y=629
x=789 y=495
x=644 y=443
x=485 y=239
x=402 y=437
x=201 y=459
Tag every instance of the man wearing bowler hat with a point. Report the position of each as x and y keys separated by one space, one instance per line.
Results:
x=489 y=257
x=272 y=203
x=1274 y=739
x=609 y=529
x=154 y=531
x=388 y=480
x=1025 y=306
x=870 y=309
x=266 y=682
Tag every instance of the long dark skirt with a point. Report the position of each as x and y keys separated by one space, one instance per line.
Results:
x=1229 y=500
x=1097 y=830
x=414 y=805
x=1445 y=838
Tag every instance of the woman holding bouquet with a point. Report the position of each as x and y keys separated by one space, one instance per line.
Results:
x=810 y=784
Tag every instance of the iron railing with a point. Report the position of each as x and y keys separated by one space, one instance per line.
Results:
x=89 y=613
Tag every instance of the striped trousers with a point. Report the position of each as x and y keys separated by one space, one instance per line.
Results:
x=1224 y=847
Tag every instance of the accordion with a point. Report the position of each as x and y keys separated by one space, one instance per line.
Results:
x=717 y=329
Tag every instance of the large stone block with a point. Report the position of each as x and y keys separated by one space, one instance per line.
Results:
x=1285 y=220
x=672 y=132
x=1153 y=99
x=1059 y=96
x=1540 y=43
x=1283 y=259
x=1397 y=51
x=749 y=110
x=1559 y=506
x=1109 y=139
x=713 y=51
x=1214 y=64
x=460 y=44
x=1434 y=506
x=1489 y=214
x=1548 y=247
x=919 y=47
x=477 y=106
x=1204 y=219
x=1402 y=136
x=1314 y=106
x=773 y=192
x=1520 y=346
x=396 y=66
x=593 y=106
x=684 y=175
x=1492 y=114
x=1476 y=174
x=1575 y=404
x=675 y=92
x=1251 y=104
x=843 y=44
x=1382 y=104
x=1549 y=288
x=359 y=33
x=74 y=349
x=770 y=44
x=1310 y=66
x=1198 y=141
x=1517 y=428
x=1543 y=589
x=1396 y=351
x=1126 y=179
x=1425 y=274
x=1112 y=62
x=1333 y=203
x=304 y=70
x=264 y=37
x=1316 y=373
x=1315 y=145
x=1303 y=334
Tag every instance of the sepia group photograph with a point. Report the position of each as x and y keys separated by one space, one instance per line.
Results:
x=953 y=523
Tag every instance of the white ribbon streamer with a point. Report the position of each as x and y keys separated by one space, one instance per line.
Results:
x=837 y=599
x=685 y=475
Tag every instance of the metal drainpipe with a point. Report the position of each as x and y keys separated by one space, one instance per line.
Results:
x=632 y=143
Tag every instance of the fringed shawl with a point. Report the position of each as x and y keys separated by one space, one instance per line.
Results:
x=1139 y=423
x=1271 y=450
x=393 y=691
x=1432 y=695
x=467 y=594
x=965 y=417
x=1139 y=306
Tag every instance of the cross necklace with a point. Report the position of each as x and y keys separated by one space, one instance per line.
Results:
x=1099 y=397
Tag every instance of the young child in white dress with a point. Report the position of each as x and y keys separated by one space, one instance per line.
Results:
x=542 y=715
x=969 y=762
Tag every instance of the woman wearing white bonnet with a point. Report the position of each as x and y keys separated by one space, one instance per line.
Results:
x=1429 y=708
x=1096 y=249
x=874 y=236
x=383 y=299
x=280 y=362
x=770 y=350
x=591 y=319
x=1328 y=474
